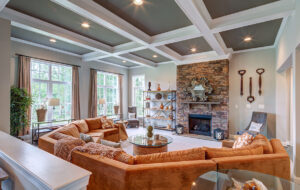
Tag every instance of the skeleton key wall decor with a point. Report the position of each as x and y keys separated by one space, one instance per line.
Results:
x=250 y=98
x=242 y=72
x=260 y=71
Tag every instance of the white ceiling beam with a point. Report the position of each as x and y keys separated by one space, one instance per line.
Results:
x=41 y=27
x=167 y=52
x=3 y=3
x=194 y=14
x=109 y=63
x=271 y=11
x=203 y=57
x=44 y=47
x=137 y=60
x=104 y=17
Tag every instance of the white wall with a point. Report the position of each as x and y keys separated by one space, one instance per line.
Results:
x=163 y=74
x=84 y=71
x=239 y=111
x=5 y=75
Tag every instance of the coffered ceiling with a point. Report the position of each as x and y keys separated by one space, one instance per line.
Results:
x=124 y=34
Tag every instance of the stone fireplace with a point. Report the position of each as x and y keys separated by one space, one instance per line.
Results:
x=203 y=117
x=200 y=124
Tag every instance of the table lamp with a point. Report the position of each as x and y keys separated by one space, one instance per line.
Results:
x=53 y=102
x=102 y=101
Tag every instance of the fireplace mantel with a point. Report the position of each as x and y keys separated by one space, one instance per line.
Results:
x=209 y=104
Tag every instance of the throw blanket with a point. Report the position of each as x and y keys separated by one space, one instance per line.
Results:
x=99 y=149
x=63 y=147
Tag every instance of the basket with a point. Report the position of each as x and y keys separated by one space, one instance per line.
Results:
x=41 y=114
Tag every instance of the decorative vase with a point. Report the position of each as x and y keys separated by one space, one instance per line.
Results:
x=168 y=126
x=162 y=106
x=150 y=131
x=149 y=86
x=171 y=116
x=158 y=87
x=41 y=114
x=171 y=107
x=116 y=109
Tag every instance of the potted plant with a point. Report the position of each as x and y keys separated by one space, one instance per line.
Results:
x=20 y=102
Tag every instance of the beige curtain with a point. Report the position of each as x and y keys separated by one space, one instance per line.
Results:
x=121 y=95
x=93 y=94
x=75 y=94
x=24 y=83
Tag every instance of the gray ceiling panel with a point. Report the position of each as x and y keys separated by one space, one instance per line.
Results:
x=262 y=34
x=62 y=17
x=118 y=61
x=148 y=54
x=184 y=47
x=44 y=40
x=219 y=8
x=153 y=17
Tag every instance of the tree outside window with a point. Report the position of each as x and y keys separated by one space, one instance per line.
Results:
x=107 y=88
x=51 y=80
x=138 y=86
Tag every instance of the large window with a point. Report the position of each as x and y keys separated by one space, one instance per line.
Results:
x=51 y=80
x=108 y=89
x=138 y=86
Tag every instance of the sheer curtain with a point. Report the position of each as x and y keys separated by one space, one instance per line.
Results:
x=120 y=77
x=93 y=94
x=24 y=83
x=75 y=94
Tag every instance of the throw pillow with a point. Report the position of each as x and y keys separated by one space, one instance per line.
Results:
x=255 y=126
x=86 y=138
x=58 y=136
x=261 y=140
x=243 y=140
x=230 y=152
x=131 y=115
x=63 y=148
x=70 y=130
x=107 y=123
x=93 y=123
x=82 y=126
x=174 y=156
x=110 y=143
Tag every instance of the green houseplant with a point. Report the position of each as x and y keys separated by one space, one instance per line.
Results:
x=20 y=102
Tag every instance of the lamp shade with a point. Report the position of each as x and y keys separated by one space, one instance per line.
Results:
x=102 y=101
x=53 y=102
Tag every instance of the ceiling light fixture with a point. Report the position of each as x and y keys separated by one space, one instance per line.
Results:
x=52 y=40
x=85 y=25
x=193 y=50
x=138 y=2
x=155 y=56
x=124 y=61
x=247 y=39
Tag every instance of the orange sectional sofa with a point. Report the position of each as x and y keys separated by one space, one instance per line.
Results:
x=175 y=170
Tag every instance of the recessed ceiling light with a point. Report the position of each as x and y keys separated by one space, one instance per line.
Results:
x=247 y=39
x=124 y=61
x=155 y=56
x=193 y=49
x=85 y=25
x=52 y=40
x=138 y=2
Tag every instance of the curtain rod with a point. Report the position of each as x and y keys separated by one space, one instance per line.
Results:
x=107 y=71
x=48 y=60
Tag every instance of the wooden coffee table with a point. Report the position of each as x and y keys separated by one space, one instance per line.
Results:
x=143 y=145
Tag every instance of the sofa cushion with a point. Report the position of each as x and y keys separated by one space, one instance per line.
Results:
x=94 y=123
x=86 y=138
x=261 y=140
x=82 y=126
x=230 y=152
x=64 y=146
x=174 y=156
x=110 y=143
x=58 y=136
x=104 y=132
x=70 y=130
x=125 y=158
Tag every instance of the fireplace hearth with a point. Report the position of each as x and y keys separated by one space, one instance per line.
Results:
x=200 y=124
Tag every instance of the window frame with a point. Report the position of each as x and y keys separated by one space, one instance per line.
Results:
x=50 y=84
x=105 y=92
x=142 y=88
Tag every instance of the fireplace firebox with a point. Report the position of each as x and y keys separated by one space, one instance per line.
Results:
x=200 y=124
